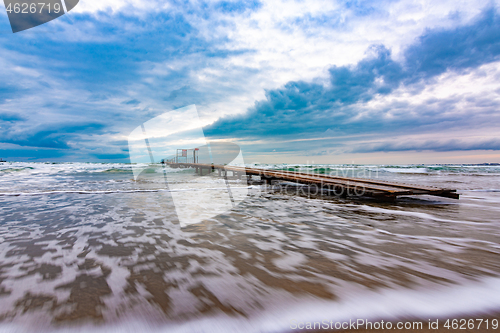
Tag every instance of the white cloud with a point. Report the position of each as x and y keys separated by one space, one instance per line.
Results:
x=286 y=42
x=475 y=93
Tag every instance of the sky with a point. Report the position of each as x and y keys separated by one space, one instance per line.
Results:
x=365 y=82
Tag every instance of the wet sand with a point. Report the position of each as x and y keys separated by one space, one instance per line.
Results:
x=73 y=260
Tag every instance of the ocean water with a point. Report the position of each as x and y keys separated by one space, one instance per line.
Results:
x=84 y=247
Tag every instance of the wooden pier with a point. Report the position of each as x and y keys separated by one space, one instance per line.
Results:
x=333 y=185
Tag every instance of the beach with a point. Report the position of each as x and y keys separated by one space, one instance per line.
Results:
x=85 y=247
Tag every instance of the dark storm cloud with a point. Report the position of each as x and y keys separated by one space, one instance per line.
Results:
x=118 y=156
x=305 y=109
x=32 y=154
x=436 y=145
x=457 y=49
x=10 y=117
x=50 y=137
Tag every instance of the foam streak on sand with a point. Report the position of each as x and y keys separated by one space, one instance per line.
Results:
x=477 y=298
x=122 y=262
x=16 y=194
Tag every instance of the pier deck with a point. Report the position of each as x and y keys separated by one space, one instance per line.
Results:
x=344 y=186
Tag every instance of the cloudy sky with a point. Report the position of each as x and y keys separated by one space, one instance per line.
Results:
x=289 y=81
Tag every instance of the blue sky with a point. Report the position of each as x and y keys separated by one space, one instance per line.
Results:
x=289 y=81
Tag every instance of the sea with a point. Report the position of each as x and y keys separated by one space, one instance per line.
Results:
x=88 y=247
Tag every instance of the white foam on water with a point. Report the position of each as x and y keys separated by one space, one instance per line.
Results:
x=430 y=300
x=406 y=170
x=423 y=216
x=472 y=299
x=17 y=194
